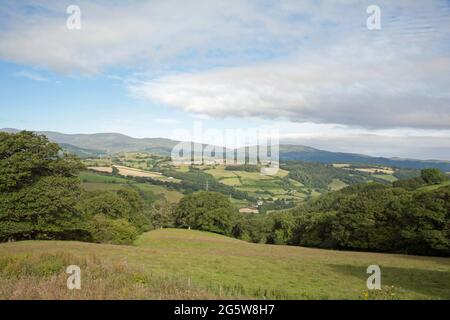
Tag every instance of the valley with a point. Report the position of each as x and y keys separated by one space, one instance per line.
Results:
x=287 y=185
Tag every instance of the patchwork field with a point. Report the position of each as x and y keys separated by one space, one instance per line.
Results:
x=257 y=184
x=188 y=264
x=92 y=181
x=133 y=172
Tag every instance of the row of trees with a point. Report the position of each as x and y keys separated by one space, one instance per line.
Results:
x=319 y=176
x=367 y=217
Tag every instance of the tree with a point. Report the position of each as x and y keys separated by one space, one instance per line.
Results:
x=432 y=176
x=282 y=227
x=162 y=214
x=208 y=211
x=39 y=189
x=115 y=171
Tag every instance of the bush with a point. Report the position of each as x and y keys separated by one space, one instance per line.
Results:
x=112 y=231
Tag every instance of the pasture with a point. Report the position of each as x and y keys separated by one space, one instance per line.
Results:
x=189 y=264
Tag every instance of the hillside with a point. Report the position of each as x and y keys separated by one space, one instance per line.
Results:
x=302 y=153
x=109 y=142
x=174 y=264
x=81 y=152
x=116 y=142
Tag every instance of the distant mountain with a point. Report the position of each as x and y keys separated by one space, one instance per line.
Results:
x=109 y=142
x=115 y=142
x=302 y=153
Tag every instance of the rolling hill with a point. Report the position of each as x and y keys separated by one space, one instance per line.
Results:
x=116 y=142
x=109 y=142
x=189 y=264
x=308 y=154
x=81 y=152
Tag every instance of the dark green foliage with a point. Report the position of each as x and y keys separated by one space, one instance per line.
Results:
x=376 y=217
x=278 y=204
x=433 y=176
x=319 y=176
x=26 y=157
x=123 y=204
x=163 y=214
x=273 y=228
x=252 y=227
x=428 y=176
x=208 y=211
x=282 y=226
x=39 y=190
x=41 y=197
x=410 y=184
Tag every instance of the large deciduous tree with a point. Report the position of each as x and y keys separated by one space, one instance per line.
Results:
x=208 y=211
x=38 y=189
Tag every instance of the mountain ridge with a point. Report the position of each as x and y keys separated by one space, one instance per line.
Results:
x=113 y=142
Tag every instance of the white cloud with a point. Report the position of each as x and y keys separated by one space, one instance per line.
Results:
x=140 y=33
x=414 y=147
x=373 y=92
x=301 y=60
x=30 y=75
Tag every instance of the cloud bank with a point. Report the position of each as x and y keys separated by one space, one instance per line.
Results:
x=305 y=61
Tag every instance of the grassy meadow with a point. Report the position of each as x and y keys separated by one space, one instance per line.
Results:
x=189 y=264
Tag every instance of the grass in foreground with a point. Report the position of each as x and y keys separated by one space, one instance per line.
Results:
x=188 y=264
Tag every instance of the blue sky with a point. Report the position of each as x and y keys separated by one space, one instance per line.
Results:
x=148 y=68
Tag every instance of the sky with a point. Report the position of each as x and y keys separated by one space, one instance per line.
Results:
x=311 y=68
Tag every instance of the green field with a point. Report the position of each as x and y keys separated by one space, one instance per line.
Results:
x=337 y=184
x=92 y=181
x=258 y=185
x=171 y=195
x=435 y=186
x=387 y=177
x=174 y=264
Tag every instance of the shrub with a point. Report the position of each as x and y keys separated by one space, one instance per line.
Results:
x=112 y=231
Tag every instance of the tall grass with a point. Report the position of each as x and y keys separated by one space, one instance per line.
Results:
x=43 y=276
